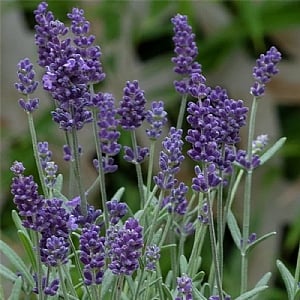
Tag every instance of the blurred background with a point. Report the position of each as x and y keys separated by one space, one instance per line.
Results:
x=136 y=42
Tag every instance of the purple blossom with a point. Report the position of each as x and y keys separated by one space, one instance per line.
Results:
x=92 y=254
x=125 y=248
x=136 y=158
x=52 y=288
x=70 y=65
x=203 y=216
x=170 y=159
x=55 y=225
x=216 y=297
x=68 y=155
x=259 y=143
x=84 y=220
x=186 y=52
x=108 y=133
x=152 y=255
x=132 y=106
x=176 y=201
x=54 y=251
x=264 y=70
x=157 y=118
x=27 y=85
x=116 y=210
x=45 y=154
x=243 y=160
x=184 y=288
x=186 y=229
x=50 y=174
x=26 y=196
x=207 y=179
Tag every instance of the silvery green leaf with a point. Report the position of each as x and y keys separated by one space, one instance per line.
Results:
x=16 y=289
x=17 y=262
x=7 y=273
x=183 y=264
x=263 y=281
x=234 y=229
x=250 y=246
x=251 y=293
x=288 y=279
x=199 y=276
x=272 y=150
x=28 y=246
x=197 y=295
x=60 y=195
x=18 y=222
x=119 y=193
x=167 y=292
x=59 y=183
x=107 y=284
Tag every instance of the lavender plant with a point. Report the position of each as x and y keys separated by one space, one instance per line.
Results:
x=77 y=251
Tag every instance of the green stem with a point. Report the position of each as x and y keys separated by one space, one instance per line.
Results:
x=138 y=170
x=140 y=281
x=100 y=169
x=62 y=283
x=213 y=245
x=39 y=266
x=297 y=273
x=220 y=227
x=181 y=111
x=36 y=154
x=83 y=201
x=247 y=200
x=150 y=167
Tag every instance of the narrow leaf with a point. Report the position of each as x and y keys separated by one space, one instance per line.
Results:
x=7 y=273
x=167 y=292
x=18 y=222
x=183 y=264
x=197 y=295
x=108 y=283
x=234 y=229
x=253 y=292
x=28 y=246
x=250 y=246
x=59 y=182
x=16 y=290
x=199 y=276
x=263 y=281
x=119 y=193
x=16 y=261
x=287 y=278
x=272 y=150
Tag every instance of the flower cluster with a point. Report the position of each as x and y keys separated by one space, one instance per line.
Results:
x=125 y=248
x=152 y=255
x=264 y=70
x=108 y=133
x=184 y=288
x=70 y=65
x=27 y=85
x=116 y=211
x=186 y=51
x=92 y=254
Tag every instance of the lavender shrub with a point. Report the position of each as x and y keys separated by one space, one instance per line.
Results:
x=77 y=251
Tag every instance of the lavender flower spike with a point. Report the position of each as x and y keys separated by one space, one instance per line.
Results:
x=132 y=106
x=264 y=70
x=186 y=52
x=184 y=288
x=27 y=85
x=125 y=248
x=92 y=254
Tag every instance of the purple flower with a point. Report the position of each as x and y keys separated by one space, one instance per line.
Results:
x=170 y=159
x=116 y=210
x=176 y=200
x=157 y=118
x=125 y=248
x=152 y=255
x=186 y=52
x=186 y=229
x=264 y=70
x=68 y=156
x=50 y=174
x=207 y=179
x=218 y=297
x=259 y=143
x=130 y=156
x=55 y=224
x=70 y=66
x=92 y=254
x=26 y=196
x=45 y=154
x=132 y=106
x=83 y=220
x=243 y=160
x=54 y=251
x=27 y=85
x=184 y=288
x=108 y=133
x=203 y=217
x=52 y=288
